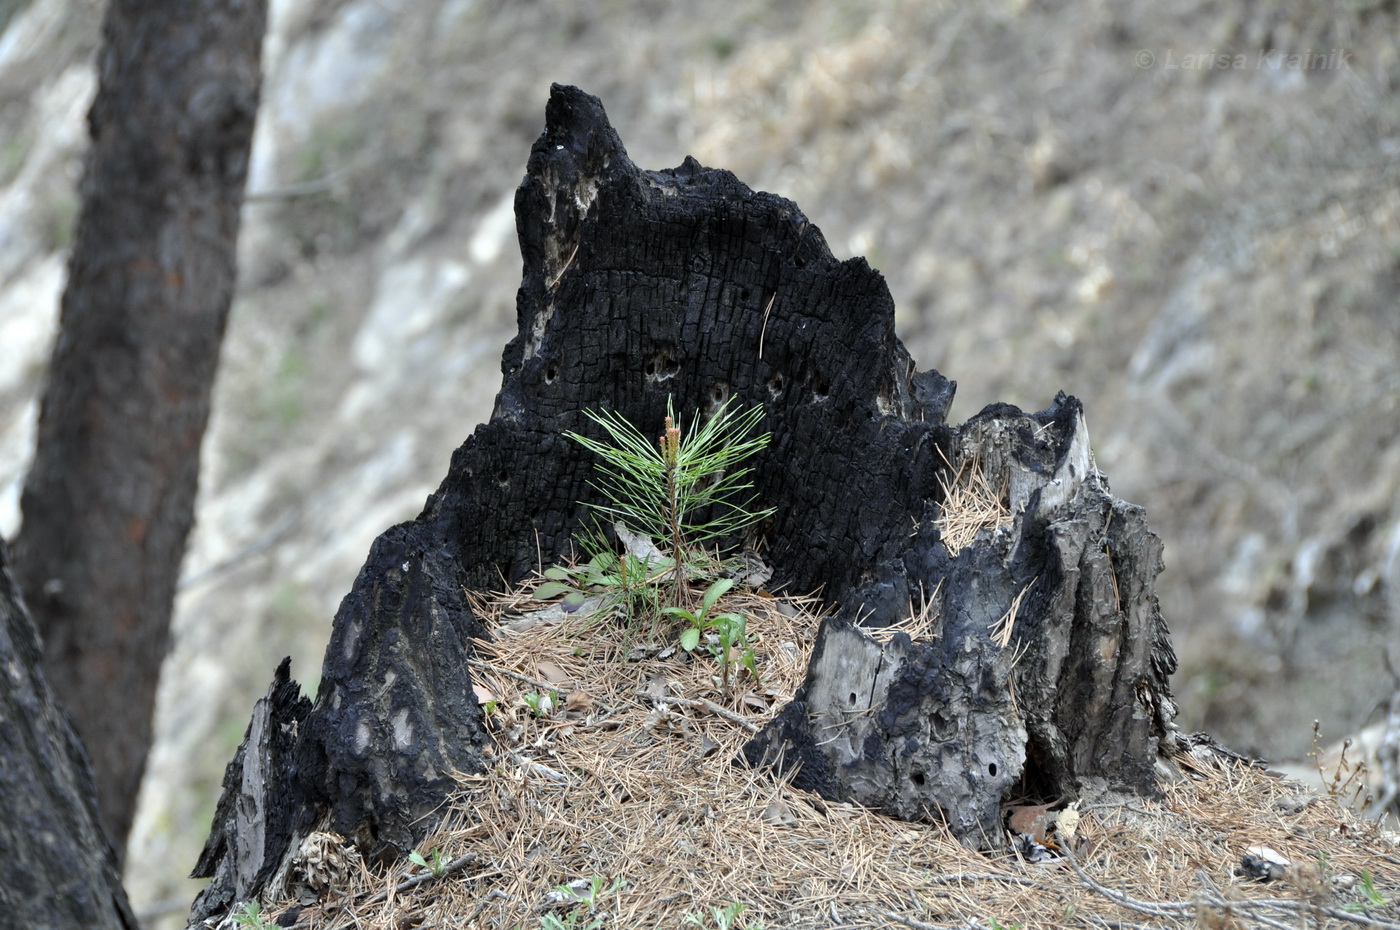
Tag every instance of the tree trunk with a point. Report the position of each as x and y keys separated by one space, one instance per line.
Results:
x=110 y=496
x=684 y=286
x=57 y=869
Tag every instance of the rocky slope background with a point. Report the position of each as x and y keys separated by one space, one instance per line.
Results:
x=1185 y=213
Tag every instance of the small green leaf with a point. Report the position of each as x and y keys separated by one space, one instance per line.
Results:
x=417 y=859
x=690 y=639
x=558 y=573
x=549 y=589
x=733 y=625
x=751 y=663
x=716 y=591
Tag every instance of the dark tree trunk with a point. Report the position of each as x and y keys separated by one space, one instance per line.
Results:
x=57 y=869
x=109 y=499
x=643 y=286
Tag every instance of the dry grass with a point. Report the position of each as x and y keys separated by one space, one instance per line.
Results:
x=971 y=503
x=630 y=777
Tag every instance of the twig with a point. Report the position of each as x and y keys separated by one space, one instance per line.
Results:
x=957 y=878
x=1251 y=907
x=1362 y=918
x=293 y=191
x=242 y=555
x=548 y=686
x=539 y=768
x=916 y=924
x=427 y=875
x=1112 y=924
x=703 y=704
x=412 y=881
x=481 y=905
x=1169 y=909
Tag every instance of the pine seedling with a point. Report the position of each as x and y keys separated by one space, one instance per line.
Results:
x=660 y=490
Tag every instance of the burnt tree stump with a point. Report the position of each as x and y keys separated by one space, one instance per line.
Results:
x=1042 y=664
x=639 y=286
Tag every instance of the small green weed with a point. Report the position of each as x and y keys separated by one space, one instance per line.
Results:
x=625 y=580
x=732 y=629
x=433 y=864
x=541 y=703
x=583 y=902
x=250 y=915
x=725 y=918
x=1368 y=891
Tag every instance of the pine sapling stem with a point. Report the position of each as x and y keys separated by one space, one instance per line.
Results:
x=670 y=451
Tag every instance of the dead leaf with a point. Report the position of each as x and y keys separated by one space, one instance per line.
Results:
x=484 y=695
x=552 y=673
x=578 y=701
x=754 y=702
x=658 y=687
x=638 y=546
x=779 y=814
x=752 y=571
x=1032 y=820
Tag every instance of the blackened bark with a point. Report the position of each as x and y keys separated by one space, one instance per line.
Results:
x=395 y=716
x=109 y=499
x=57 y=869
x=641 y=286
x=638 y=286
x=254 y=821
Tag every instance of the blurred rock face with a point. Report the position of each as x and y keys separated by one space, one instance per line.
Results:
x=1205 y=255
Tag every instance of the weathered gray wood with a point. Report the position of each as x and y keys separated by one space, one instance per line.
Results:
x=1073 y=701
